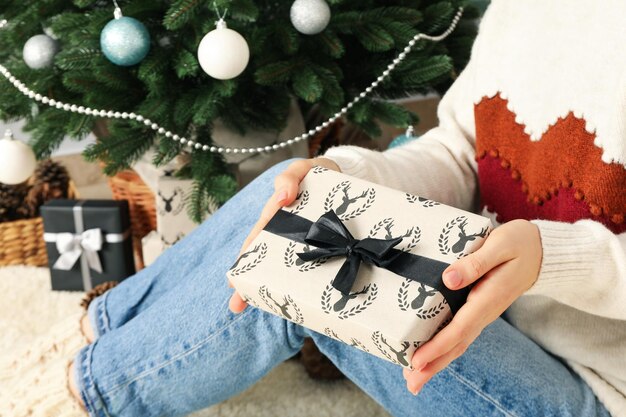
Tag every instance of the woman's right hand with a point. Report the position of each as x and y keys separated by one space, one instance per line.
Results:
x=286 y=187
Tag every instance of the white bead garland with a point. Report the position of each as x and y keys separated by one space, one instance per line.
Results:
x=206 y=148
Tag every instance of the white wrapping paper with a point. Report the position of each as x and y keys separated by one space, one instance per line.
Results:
x=386 y=315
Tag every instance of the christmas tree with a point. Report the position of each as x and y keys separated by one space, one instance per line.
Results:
x=323 y=71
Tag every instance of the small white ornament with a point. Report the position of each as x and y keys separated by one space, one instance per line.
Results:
x=17 y=160
x=39 y=51
x=310 y=17
x=223 y=53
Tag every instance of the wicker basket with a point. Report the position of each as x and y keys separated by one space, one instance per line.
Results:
x=21 y=241
x=128 y=185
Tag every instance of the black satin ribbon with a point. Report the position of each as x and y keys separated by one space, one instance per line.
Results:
x=332 y=239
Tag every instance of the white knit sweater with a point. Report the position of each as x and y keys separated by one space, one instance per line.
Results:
x=547 y=60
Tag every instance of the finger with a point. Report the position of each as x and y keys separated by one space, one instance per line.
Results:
x=287 y=183
x=236 y=303
x=470 y=268
x=485 y=303
x=269 y=210
x=445 y=341
x=417 y=379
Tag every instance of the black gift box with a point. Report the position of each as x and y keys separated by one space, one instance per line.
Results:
x=79 y=224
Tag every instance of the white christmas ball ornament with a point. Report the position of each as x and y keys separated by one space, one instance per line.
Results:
x=310 y=17
x=39 y=51
x=223 y=53
x=17 y=160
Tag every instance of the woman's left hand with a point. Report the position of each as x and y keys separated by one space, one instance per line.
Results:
x=505 y=267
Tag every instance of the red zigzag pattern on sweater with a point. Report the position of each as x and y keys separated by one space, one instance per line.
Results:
x=560 y=177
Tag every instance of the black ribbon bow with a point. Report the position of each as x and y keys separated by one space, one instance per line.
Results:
x=332 y=238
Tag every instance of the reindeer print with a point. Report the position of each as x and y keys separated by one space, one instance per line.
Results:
x=339 y=307
x=353 y=342
x=252 y=258
x=346 y=200
x=332 y=334
x=423 y=201
x=397 y=356
x=341 y=303
x=357 y=344
x=286 y=308
x=169 y=207
x=400 y=354
x=421 y=303
x=291 y=259
x=464 y=238
x=383 y=229
x=302 y=199
x=458 y=248
x=424 y=294
x=168 y=243
x=350 y=205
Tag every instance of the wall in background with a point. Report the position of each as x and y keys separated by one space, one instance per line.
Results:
x=68 y=147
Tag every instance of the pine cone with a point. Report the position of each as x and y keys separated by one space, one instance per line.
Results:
x=12 y=202
x=50 y=181
x=55 y=175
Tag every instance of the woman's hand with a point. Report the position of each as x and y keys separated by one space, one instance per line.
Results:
x=286 y=186
x=508 y=263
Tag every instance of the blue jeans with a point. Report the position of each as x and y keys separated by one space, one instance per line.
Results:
x=167 y=344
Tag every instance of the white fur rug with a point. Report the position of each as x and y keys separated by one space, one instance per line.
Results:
x=29 y=307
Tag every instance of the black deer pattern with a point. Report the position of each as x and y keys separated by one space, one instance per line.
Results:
x=340 y=306
x=458 y=248
x=246 y=255
x=401 y=353
x=422 y=296
x=291 y=258
x=343 y=300
x=282 y=308
x=169 y=207
x=353 y=341
x=348 y=207
x=253 y=258
x=464 y=238
x=346 y=200
x=387 y=225
x=397 y=356
x=302 y=199
x=169 y=243
x=418 y=304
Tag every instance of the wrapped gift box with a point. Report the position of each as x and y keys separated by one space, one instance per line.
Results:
x=361 y=263
x=173 y=222
x=152 y=247
x=88 y=242
x=171 y=194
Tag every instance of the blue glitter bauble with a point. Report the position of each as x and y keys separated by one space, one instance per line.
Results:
x=125 y=41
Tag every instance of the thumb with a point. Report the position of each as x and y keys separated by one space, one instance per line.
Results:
x=470 y=268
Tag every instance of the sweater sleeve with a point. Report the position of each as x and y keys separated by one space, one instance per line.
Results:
x=439 y=165
x=583 y=266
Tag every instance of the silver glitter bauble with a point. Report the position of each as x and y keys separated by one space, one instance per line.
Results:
x=39 y=51
x=310 y=17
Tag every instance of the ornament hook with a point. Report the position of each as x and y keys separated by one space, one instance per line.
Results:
x=221 y=23
x=117 y=13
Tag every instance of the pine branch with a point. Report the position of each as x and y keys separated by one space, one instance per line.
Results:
x=180 y=13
